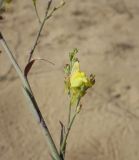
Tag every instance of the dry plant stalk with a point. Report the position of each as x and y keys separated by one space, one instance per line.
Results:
x=76 y=84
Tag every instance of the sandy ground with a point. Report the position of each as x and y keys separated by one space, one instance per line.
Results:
x=106 y=32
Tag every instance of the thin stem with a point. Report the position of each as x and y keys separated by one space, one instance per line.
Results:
x=63 y=146
x=56 y=8
x=33 y=104
x=40 y=30
x=69 y=114
x=36 y=41
x=12 y=59
x=47 y=16
x=48 y=7
x=1 y=2
x=37 y=14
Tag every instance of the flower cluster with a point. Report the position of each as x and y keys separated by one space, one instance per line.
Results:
x=76 y=81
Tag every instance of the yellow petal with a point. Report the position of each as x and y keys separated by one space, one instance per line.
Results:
x=78 y=79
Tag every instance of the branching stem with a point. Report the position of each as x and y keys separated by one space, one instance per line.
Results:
x=46 y=17
x=70 y=123
x=33 y=104
x=63 y=146
x=37 y=39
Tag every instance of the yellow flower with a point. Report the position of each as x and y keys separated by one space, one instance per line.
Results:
x=78 y=78
x=76 y=81
x=79 y=83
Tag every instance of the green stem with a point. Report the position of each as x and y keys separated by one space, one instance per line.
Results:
x=37 y=39
x=37 y=14
x=46 y=17
x=33 y=104
x=40 y=30
x=69 y=114
x=70 y=123
x=63 y=146
x=1 y=2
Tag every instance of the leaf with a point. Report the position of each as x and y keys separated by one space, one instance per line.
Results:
x=28 y=67
x=30 y=64
x=62 y=132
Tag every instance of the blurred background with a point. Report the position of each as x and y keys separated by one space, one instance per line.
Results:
x=106 y=32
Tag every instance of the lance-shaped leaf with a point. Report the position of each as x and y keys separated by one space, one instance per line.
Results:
x=30 y=64
x=62 y=132
x=28 y=67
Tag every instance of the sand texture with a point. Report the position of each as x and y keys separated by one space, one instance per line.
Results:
x=106 y=32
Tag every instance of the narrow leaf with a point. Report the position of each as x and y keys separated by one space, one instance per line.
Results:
x=62 y=132
x=28 y=67
x=30 y=64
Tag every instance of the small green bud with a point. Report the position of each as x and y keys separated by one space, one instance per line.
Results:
x=72 y=54
x=67 y=69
